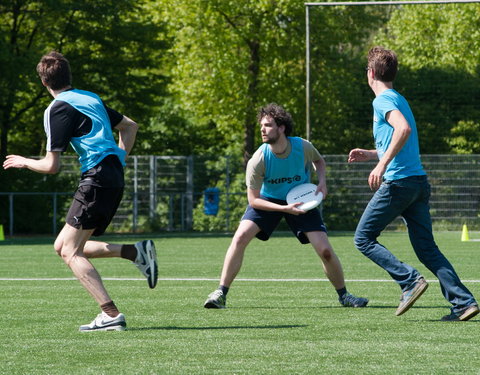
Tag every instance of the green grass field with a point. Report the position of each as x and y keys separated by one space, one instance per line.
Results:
x=282 y=316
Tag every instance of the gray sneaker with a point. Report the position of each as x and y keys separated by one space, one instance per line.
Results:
x=146 y=261
x=462 y=315
x=103 y=322
x=409 y=297
x=216 y=300
x=349 y=300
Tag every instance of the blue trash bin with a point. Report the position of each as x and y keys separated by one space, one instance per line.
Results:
x=211 y=201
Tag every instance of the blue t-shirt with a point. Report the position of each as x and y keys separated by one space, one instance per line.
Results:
x=407 y=162
x=281 y=175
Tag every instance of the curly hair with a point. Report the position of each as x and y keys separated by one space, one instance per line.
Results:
x=54 y=70
x=279 y=114
x=384 y=63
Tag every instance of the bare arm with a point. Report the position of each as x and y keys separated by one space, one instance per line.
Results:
x=50 y=164
x=359 y=154
x=127 y=133
x=320 y=168
x=401 y=132
x=261 y=204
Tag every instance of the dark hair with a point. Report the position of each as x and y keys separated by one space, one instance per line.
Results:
x=384 y=63
x=279 y=114
x=54 y=71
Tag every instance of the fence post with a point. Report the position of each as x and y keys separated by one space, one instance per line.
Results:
x=189 y=214
x=170 y=212
x=10 y=212
x=227 y=190
x=135 y=194
x=54 y=223
x=182 y=211
x=153 y=188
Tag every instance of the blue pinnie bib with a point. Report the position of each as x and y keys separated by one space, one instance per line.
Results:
x=281 y=175
x=93 y=147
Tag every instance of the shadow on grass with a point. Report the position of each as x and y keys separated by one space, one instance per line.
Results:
x=412 y=308
x=327 y=307
x=176 y=328
x=471 y=321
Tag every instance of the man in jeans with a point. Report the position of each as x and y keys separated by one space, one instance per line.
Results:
x=402 y=188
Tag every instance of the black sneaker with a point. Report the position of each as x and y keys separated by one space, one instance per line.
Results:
x=463 y=315
x=409 y=297
x=349 y=300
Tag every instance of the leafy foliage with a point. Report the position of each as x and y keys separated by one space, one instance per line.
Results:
x=114 y=48
x=193 y=74
x=439 y=51
x=231 y=57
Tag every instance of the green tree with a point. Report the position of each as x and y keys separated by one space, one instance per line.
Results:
x=465 y=138
x=439 y=54
x=230 y=57
x=340 y=97
x=114 y=48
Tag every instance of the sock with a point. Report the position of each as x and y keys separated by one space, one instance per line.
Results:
x=129 y=252
x=110 y=309
x=224 y=289
x=341 y=292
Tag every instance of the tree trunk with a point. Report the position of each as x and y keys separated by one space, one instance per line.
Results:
x=250 y=111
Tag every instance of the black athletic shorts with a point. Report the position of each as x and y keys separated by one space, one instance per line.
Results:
x=299 y=224
x=93 y=207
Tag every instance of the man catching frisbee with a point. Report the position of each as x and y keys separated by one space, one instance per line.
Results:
x=280 y=164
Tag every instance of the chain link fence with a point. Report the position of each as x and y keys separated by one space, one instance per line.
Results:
x=168 y=193
x=455 y=181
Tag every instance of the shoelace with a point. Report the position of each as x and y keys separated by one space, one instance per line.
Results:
x=217 y=294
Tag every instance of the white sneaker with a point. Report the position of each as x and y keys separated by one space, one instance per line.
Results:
x=103 y=322
x=146 y=261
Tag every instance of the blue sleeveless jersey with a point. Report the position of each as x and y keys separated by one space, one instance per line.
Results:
x=281 y=175
x=93 y=147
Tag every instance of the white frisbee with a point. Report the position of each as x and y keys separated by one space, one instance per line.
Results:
x=305 y=193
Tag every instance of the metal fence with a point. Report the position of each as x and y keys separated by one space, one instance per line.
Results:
x=167 y=194
x=455 y=181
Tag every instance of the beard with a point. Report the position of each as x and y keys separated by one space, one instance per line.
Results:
x=272 y=138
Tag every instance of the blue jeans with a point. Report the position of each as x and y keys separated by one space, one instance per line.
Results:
x=408 y=197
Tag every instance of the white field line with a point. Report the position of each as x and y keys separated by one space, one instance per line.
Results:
x=208 y=279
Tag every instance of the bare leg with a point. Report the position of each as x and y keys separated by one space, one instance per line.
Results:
x=246 y=231
x=69 y=245
x=94 y=249
x=331 y=264
x=98 y=249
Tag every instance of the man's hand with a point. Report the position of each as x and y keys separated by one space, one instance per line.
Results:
x=359 y=155
x=293 y=209
x=321 y=188
x=15 y=161
x=376 y=177
x=50 y=164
